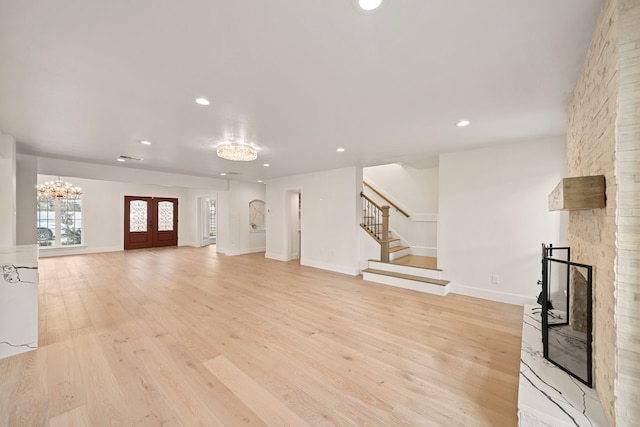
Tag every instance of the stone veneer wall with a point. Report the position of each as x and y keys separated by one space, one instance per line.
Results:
x=604 y=138
x=591 y=145
x=627 y=315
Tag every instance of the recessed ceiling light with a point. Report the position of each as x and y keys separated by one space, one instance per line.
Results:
x=463 y=123
x=260 y=181
x=222 y=173
x=340 y=150
x=202 y=101
x=145 y=142
x=369 y=4
x=266 y=165
x=120 y=159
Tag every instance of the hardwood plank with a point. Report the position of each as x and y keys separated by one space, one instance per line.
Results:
x=146 y=404
x=127 y=338
x=315 y=412
x=75 y=417
x=176 y=390
x=270 y=409
x=64 y=378
x=226 y=406
x=27 y=394
x=105 y=400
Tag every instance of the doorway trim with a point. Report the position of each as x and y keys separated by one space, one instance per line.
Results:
x=203 y=218
x=293 y=223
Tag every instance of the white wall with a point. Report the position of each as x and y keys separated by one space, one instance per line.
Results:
x=103 y=213
x=235 y=236
x=369 y=249
x=104 y=188
x=330 y=218
x=223 y=231
x=7 y=191
x=494 y=217
x=26 y=194
x=414 y=190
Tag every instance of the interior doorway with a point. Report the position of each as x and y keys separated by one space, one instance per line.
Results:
x=207 y=221
x=150 y=222
x=294 y=224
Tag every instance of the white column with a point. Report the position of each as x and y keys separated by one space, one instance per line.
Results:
x=26 y=194
x=18 y=266
x=7 y=191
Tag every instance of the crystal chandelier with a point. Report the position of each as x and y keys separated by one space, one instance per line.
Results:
x=58 y=190
x=236 y=152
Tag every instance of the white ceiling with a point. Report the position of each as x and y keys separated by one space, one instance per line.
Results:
x=297 y=78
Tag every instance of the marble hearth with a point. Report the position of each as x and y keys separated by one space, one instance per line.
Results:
x=548 y=396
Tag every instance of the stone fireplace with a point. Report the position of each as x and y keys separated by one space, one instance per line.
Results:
x=603 y=138
x=577 y=300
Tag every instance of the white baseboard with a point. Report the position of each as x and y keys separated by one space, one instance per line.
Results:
x=424 y=251
x=79 y=250
x=277 y=257
x=76 y=250
x=245 y=251
x=491 y=295
x=352 y=271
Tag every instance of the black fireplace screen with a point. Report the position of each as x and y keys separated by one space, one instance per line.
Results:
x=566 y=300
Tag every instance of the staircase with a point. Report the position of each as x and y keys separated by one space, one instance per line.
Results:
x=421 y=279
x=396 y=249
x=397 y=267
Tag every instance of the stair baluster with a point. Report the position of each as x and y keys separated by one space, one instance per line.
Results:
x=375 y=219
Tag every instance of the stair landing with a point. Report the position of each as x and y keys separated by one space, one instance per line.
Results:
x=415 y=272
x=417 y=261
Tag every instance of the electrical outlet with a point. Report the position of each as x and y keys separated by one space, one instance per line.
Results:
x=495 y=279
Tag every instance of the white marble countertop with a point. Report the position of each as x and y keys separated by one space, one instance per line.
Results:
x=18 y=299
x=548 y=396
x=19 y=254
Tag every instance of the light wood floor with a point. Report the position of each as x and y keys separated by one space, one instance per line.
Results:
x=185 y=337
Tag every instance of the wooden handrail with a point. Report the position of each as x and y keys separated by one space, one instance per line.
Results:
x=385 y=199
x=370 y=201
